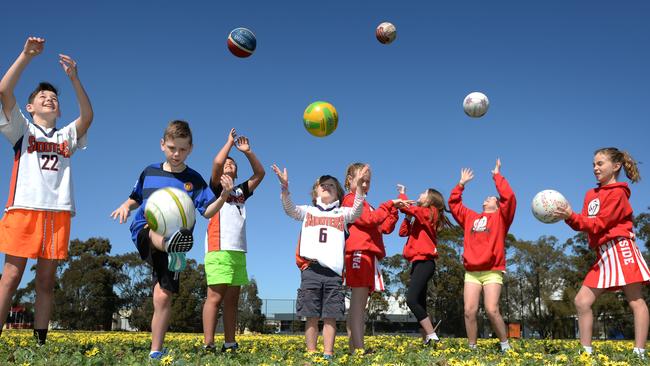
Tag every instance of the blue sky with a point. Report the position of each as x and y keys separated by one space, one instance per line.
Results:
x=563 y=78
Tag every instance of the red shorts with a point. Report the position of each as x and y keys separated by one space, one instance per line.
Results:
x=362 y=270
x=619 y=263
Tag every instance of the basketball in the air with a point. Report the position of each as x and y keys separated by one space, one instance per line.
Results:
x=169 y=209
x=320 y=119
x=242 y=42
x=476 y=104
x=545 y=203
x=386 y=32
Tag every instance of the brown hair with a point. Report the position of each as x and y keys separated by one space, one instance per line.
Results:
x=349 y=173
x=435 y=199
x=321 y=179
x=42 y=86
x=178 y=129
x=625 y=159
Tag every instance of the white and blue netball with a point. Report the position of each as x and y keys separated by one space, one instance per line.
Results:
x=242 y=42
x=168 y=210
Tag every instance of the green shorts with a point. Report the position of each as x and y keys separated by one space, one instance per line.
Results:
x=484 y=277
x=226 y=267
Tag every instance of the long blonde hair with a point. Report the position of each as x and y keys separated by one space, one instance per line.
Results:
x=350 y=172
x=625 y=159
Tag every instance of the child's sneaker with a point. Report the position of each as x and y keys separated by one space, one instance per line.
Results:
x=157 y=355
x=328 y=357
x=181 y=241
x=209 y=348
x=176 y=262
x=231 y=348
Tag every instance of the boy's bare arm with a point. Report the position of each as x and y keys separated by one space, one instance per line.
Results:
x=85 y=118
x=122 y=212
x=220 y=159
x=33 y=47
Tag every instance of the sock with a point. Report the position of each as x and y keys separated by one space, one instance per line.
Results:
x=588 y=349
x=472 y=346
x=40 y=335
x=433 y=336
x=505 y=345
x=229 y=344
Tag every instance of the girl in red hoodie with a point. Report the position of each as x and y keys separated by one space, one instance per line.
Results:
x=364 y=248
x=484 y=254
x=428 y=217
x=607 y=219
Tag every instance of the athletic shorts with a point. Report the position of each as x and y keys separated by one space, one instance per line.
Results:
x=35 y=233
x=226 y=267
x=619 y=262
x=484 y=277
x=321 y=293
x=158 y=261
x=362 y=270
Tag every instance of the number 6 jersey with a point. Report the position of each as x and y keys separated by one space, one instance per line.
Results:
x=41 y=177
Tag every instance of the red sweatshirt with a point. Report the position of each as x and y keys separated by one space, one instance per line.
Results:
x=485 y=233
x=366 y=231
x=421 y=242
x=606 y=214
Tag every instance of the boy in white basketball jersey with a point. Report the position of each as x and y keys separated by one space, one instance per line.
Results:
x=36 y=223
x=225 y=243
x=321 y=252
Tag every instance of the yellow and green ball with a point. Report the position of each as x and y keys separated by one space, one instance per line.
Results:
x=320 y=119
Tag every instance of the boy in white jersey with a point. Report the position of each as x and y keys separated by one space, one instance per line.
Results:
x=225 y=243
x=321 y=252
x=36 y=223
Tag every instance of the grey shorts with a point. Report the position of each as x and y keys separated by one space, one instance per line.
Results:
x=321 y=293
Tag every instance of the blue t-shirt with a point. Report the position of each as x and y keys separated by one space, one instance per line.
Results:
x=154 y=177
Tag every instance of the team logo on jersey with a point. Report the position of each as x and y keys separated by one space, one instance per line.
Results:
x=594 y=207
x=188 y=186
x=48 y=147
x=480 y=225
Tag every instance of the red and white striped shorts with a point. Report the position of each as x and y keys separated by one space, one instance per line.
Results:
x=619 y=263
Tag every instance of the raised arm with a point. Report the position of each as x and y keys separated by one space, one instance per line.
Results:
x=214 y=207
x=458 y=210
x=290 y=208
x=33 y=47
x=82 y=123
x=507 y=200
x=243 y=145
x=220 y=159
x=357 y=206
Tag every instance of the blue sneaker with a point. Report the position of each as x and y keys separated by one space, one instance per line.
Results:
x=157 y=355
x=328 y=357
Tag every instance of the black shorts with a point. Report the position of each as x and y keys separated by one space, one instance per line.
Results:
x=167 y=279
x=321 y=293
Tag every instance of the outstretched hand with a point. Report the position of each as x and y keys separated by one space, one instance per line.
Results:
x=563 y=211
x=69 y=66
x=226 y=185
x=497 y=167
x=400 y=203
x=121 y=213
x=34 y=46
x=401 y=189
x=362 y=175
x=242 y=144
x=232 y=135
x=283 y=176
x=466 y=175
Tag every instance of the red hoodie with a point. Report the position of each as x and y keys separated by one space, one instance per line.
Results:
x=366 y=231
x=606 y=214
x=421 y=242
x=485 y=233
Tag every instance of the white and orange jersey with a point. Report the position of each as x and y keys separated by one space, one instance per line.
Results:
x=227 y=228
x=41 y=178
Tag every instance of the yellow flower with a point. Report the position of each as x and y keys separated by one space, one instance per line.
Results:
x=167 y=360
x=92 y=352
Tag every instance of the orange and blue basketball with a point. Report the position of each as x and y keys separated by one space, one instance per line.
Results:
x=242 y=42
x=320 y=119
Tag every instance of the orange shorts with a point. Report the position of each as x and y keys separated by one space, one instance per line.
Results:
x=35 y=234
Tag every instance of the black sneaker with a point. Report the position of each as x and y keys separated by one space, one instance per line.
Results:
x=232 y=348
x=180 y=242
x=211 y=348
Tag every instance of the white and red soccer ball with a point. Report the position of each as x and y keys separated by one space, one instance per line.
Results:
x=545 y=203
x=476 y=104
x=386 y=32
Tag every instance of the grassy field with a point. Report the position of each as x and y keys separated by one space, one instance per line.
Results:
x=115 y=348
